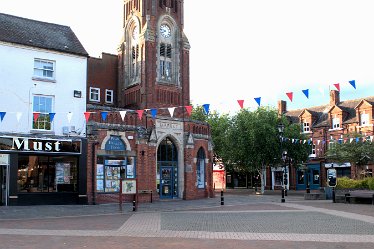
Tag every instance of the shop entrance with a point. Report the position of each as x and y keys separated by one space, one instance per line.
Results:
x=4 y=183
x=310 y=175
x=167 y=182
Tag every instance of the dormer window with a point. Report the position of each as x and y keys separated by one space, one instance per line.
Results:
x=364 y=119
x=335 y=123
x=306 y=127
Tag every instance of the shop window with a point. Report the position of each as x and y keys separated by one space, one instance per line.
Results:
x=47 y=174
x=300 y=177
x=315 y=176
x=200 y=168
x=110 y=171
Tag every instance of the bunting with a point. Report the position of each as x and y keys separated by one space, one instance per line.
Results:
x=104 y=115
x=206 y=108
x=290 y=95
x=2 y=115
x=87 y=116
x=258 y=101
x=123 y=114
x=241 y=103
x=337 y=86
x=306 y=93
x=171 y=111
x=52 y=116
x=153 y=113
x=188 y=109
x=140 y=114
x=69 y=116
x=353 y=83
x=36 y=116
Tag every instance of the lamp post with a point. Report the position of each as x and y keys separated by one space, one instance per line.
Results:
x=281 y=130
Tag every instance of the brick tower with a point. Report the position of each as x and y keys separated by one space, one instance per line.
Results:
x=153 y=55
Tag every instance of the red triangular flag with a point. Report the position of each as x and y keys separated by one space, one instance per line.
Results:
x=188 y=109
x=140 y=114
x=36 y=116
x=337 y=86
x=241 y=102
x=290 y=95
x=87 y=115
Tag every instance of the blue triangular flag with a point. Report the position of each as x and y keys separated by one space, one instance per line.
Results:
x=2 y=114
x=306 y=92
x=357 y=139
x=154 y=113
x=51 y=116
x=104 y=115
x=206 y=108
x=258 y=100
x=353 y=83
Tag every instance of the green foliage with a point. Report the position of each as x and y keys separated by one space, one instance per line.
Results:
x=347 y=183
x=357 y=153
x=198 y=113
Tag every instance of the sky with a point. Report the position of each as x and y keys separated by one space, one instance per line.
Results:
x=244 y=49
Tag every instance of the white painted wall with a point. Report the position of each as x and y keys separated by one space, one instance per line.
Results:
x=17 y=88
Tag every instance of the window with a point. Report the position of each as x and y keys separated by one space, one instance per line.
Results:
x=43 y=106
x=364 y=119
x=335 y=123
x=313 y=150
x=94 y=94
x=200 y=168
x=108 y=96
x=134 y=72
x=110 y=171
x=306 y=127
x=47 y=174
x=165 y=61
x=44 y=69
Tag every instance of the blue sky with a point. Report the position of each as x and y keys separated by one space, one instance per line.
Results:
x=245 y=49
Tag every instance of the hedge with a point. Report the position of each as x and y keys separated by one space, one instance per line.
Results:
x=347 y=183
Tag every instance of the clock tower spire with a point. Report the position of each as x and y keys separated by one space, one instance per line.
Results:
x=154 y=55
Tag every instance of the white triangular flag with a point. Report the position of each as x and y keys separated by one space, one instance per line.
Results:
x=18 y=115
x=318 y=141
x=293 y=140
x=350 y=140
x=69 y=115
x=371 y=138
x=171 y=111
x=123 y=114
x=304 y=141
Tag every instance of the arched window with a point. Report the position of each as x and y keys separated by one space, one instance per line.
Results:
x=167 y=52
x=134 y=55
x=200 y=168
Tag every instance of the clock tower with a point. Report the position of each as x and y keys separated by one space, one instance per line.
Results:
x=154 y=55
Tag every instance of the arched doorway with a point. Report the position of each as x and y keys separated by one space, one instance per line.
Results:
x=167 y=169
x=200 y=169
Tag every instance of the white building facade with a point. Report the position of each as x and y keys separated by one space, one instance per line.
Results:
x=43 y=75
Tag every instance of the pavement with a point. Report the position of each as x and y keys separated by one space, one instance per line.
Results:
x=246 y=220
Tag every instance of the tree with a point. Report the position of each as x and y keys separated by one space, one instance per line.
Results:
x=358 y=152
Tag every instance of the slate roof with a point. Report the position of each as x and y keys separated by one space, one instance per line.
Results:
x=321 y=112
x=18 y=30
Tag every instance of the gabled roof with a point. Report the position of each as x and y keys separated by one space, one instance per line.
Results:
x=39 y=34
x=321 y=112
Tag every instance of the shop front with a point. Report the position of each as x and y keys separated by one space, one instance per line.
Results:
x=37 y=171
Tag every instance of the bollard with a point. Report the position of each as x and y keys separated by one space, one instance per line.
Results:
x=222 y=200
x=133 y=206
x=333 y=195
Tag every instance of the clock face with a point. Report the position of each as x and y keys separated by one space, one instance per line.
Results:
x=165 y=31
x=135 y=33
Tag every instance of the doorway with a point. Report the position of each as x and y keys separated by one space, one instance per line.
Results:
x=4 y=183
x=308 y=176
x=167 y=180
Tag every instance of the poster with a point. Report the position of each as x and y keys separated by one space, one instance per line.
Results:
x=129 y=187
x=63 y=173
x=130 y=171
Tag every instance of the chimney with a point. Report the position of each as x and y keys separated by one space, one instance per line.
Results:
x=282 y=107
x=334 y=97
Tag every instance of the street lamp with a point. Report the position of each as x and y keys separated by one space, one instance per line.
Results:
x=281 y=130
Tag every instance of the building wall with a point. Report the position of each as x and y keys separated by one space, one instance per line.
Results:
x=18 y=88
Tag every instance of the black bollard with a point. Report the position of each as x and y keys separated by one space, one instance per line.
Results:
x=283 y=200
x=133 y=206
x=333 y=195
x=222 y=200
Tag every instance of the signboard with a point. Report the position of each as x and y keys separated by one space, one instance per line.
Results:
x=24 y=144
x=331 y=177
x=129 y=187
x=115 y=143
